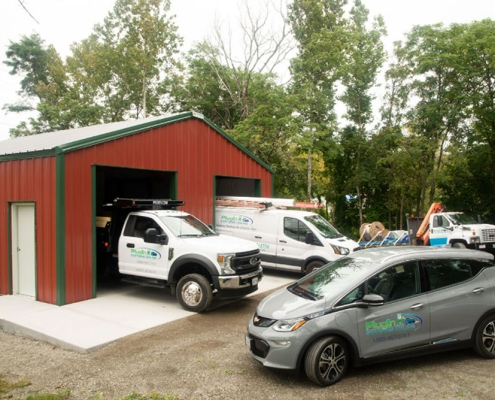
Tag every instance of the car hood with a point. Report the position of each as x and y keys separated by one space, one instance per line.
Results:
x=283 y=304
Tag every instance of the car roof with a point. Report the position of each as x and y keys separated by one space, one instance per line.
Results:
x=381 y=255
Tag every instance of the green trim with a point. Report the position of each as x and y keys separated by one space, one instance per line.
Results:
x=214 y=201
x=60 y=228
x=257 y=187
x=120 y=133
x=9 y=247
x=174 y=182
x=93 y=229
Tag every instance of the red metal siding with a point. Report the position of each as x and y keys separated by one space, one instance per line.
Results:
x=31 y=180
x=192 y=148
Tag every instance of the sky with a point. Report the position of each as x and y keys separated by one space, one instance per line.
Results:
x=63 y=22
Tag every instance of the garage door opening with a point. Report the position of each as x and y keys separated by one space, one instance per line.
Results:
x=242 y=187
x=113 y=182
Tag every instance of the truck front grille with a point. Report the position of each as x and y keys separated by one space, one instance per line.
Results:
x=248 y=261
x=488 y=235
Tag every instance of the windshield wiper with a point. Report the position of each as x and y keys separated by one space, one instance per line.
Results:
x=299 y=291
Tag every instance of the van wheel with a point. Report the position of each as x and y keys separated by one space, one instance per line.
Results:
x=313 y=266
x=326 y=361
x=194 y=292
x=484 y=341
x=459 y=245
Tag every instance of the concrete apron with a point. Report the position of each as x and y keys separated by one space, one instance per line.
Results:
x=118 y=311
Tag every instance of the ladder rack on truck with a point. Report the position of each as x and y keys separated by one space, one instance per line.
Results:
x=264 y=202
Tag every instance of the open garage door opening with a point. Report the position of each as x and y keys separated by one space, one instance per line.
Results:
x=113 y=182
x=242 y=187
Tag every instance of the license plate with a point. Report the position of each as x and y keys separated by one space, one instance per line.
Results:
x=482 y=246
x=254 y=282
x=248 y=341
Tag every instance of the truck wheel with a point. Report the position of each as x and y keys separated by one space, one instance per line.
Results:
x=194 y=292
x=313 y=266
x=459 y=245
x=326 y=361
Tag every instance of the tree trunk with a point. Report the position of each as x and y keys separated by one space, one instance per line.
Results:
x=310 y=165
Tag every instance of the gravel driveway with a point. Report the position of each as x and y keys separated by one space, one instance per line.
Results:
x=204 y=357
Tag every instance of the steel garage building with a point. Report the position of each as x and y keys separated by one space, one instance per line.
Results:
x=53 y=187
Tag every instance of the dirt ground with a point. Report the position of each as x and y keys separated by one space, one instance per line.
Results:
x=204 y=357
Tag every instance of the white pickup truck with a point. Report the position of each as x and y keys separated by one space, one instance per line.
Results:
x=156 y=245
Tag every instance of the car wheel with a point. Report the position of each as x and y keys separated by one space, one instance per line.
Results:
x=459 y=245
x=484 y=342
x=326 y=361
x=313 y=266
x=194 y=292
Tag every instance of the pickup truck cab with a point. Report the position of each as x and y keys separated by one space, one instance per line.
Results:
x=164 y=247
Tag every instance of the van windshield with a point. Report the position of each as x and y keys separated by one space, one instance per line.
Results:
x=323 y=226
x=186 y=225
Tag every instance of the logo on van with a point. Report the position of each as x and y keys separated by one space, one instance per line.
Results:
x=394 y=323
x=148 y=254
x=236 y=220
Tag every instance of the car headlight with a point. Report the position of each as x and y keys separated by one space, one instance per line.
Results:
x=289 y=325
x=224 y=261
x=341 y=250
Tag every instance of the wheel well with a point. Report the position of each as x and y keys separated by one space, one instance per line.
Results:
x=351 y=347
x=488 y=313
x=310 y=260
x=191 y=268
x=458 y=241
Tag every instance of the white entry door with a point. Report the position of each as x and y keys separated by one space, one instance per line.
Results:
x=23 y=249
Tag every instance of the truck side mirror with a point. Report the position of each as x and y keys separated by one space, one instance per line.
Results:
x=151 y=236
x=310 y=238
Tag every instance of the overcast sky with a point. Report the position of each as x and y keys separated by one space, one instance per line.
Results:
x=62 y=22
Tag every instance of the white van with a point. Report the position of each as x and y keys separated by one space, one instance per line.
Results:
x=288 y=239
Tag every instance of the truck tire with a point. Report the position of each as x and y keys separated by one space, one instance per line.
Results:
x=459 y=245
x=194 y=292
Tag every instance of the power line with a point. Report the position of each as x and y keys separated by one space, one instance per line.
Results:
x=22 y=4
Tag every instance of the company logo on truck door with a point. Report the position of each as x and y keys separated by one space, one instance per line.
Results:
x=236 y=220
x=148 y=254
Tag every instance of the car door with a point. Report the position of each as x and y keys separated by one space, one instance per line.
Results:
x=138 y=257
x=440 y=230
x=457 y=298
x=403 y=321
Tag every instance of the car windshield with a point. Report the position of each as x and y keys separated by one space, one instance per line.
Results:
x=461 y=219
x=323 y=226
x=337 y=277
x=186 y=225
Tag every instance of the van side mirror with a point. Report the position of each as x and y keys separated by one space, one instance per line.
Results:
x=310 y=238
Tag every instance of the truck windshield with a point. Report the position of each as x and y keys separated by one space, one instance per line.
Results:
x=323 y=226
x=461 y=219
x=339 y=276
x=186 y=225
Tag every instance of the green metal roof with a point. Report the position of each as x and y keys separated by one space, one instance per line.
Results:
x=53 y=143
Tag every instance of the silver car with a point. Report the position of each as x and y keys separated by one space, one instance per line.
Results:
x=376 y=305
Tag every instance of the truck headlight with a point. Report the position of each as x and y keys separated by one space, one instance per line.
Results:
x=224 y=260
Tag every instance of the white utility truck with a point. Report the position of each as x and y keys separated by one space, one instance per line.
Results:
x=156 y=245
x=440 y=228
x=288 y=239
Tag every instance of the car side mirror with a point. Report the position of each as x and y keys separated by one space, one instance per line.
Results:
x=371 y=300
x=310 y=238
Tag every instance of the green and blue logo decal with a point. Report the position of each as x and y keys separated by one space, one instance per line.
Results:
x=236 y=220
x=394 y=323
x=148 y=254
